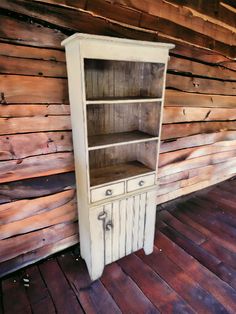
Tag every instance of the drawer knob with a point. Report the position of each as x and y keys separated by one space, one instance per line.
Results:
x=108 y=192
x=141 y=183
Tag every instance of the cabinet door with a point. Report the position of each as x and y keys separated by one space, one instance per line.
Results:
x=122 y=227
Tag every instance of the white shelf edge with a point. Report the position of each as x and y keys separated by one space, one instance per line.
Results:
x=123 y=101
x=155 y=138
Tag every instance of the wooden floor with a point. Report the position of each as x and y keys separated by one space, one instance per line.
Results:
x=192 y=268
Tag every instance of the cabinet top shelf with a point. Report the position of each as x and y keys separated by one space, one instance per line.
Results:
x=81 y=36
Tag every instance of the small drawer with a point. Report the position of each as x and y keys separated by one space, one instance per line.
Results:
x=140 y=182
x=107 y=191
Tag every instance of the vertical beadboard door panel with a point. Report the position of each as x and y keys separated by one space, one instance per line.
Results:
x=97 y=242
x=122 y=234
x=150 y=223
x=142 y=215
x=108 y=229
x=129 y=225
x=116 y=230
x=135 y=229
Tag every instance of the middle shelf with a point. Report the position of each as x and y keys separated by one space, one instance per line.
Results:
x=122 y=138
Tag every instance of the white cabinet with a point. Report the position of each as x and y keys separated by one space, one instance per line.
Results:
x=116 y=90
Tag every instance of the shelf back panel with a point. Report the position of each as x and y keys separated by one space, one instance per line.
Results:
x=109 y=79
x=116 y=118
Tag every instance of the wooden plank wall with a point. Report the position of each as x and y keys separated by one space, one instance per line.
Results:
x=37 y=211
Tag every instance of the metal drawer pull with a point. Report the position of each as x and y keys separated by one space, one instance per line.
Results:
x=102 y=216
x=109 y=225
x=141 y=183
x=108 y=192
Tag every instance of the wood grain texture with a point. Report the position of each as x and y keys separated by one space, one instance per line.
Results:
x=32 y=67
x=36 y=187
x=71 y=21
x=22 y=244
x=184 y=275
x=18 y=89
x=22 y=32
x=186 y=114
x=19 y=146
x=37 y=166
x=35 y=137
x=179 y=98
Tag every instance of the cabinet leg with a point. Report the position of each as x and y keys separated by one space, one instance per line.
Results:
x=148 y=249
x=95 y=271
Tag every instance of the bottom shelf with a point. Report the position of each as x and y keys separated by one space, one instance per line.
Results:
x=117 y=172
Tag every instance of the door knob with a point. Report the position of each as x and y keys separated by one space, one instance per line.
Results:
x=109 y=225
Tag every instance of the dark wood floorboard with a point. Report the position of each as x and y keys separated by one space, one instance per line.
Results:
x=191 y=270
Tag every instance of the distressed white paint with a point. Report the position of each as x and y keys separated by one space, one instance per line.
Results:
x=140 y=182
x=116 y=224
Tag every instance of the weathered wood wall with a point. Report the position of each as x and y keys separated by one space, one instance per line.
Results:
x=37 y=211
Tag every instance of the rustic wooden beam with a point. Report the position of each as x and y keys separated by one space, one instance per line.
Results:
x=179 y=98
x=200 y=85
x=187 y=114
x=37 y=166
x=194 y=152
x=213 y=9
x=200 y=161
x=189 y=67
x=22 y=89
x=180 y=14
x=22 y=66
x=52 y=68
x=60 y=243
x=22 y=244
x=32 y=110
x=79 y=20
x=36 y=187
x=173 y=131
x=173 y=194
x=25 y=89
x=48 y=217
x=27 y=52
x=31 y=144
x=34 y=124
x=10 y=213
x=14 y=30
x=196 y=140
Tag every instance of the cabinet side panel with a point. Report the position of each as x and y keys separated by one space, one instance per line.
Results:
x=97 y=243
x=78 y=118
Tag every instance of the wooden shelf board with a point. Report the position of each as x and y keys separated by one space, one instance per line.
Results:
x=114 y=139
x=117 y=172
x=122 y=100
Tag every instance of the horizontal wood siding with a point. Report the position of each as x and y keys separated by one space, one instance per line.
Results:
x=37 y=184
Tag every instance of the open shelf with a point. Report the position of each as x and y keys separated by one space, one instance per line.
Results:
x=107 y=140
x=122 y=119
x=121 y=161
x=117 y=172
x=113 y=79
x=122 y=100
